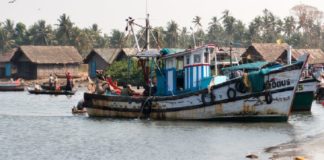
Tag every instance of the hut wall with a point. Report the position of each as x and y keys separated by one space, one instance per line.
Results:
x=96 y=62
x=101 y=64
x=2 y=70
x=26 y=70
x=251 y=55
x=44 y=70
x=283 y=58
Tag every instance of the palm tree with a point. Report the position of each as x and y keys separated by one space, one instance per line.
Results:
x=172 y=35
x=41 y=34
x=215 y=31
x=197 y=22
x=116 y=38
x=184 y=38
x=228 y=22
x=20 y=34
x=289 y=26
x=6 y=36
x=64 y=30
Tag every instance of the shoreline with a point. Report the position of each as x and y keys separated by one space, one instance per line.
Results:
x=310 y=147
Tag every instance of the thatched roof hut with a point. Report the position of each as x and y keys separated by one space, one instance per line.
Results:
x=316 y=56
x=6 y=67
x=40 y=61
x=264 y=52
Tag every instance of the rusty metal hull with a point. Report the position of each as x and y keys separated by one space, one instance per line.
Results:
x=213 y=104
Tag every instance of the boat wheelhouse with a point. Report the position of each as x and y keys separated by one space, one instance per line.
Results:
x=185 y=71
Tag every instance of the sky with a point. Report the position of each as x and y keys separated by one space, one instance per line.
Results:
x=111 y=14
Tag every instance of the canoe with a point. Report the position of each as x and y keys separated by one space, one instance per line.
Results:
x=12 y=86
x=51 y=92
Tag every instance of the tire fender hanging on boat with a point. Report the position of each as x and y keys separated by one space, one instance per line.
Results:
x=231 y=93
x=268 y=97
x=240 y=87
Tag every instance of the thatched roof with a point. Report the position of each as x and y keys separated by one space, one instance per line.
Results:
x=316 y=56
x=269 y=51
x=111 y=54
x=5 y=57
x=49 y=54
x=107 y=54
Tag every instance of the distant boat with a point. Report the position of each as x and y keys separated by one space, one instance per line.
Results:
x=50 y=92
x=305 y=91
x=12 y=86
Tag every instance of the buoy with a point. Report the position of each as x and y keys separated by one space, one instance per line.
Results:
x=299 y=158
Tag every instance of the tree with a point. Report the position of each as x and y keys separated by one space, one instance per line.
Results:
x=289 y=26
x=215 y=31
x=197 y=22
x=171 y=35
x=6 y=36
x=41 y=34
x=185 y=39
x=116 y=38
x=119 y=71
x=228 y=22
x=20 y=34
x=64 y=30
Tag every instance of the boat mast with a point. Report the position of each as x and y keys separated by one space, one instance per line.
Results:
x=147 y=34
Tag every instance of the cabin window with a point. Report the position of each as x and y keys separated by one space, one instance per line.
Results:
x=187 y=60
x=180 y=63
x=206 y=57
x=169 y=63
x=197 y=58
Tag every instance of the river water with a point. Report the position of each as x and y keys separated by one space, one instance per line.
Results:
x=41 y=127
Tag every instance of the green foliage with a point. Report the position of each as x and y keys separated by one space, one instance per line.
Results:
x=303 y=30
x=119 y=71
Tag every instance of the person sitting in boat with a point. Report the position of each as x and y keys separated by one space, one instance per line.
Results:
x=151 y=88
x=69 y=84
x=127 y=90
x=51 y=82
x=37 y=87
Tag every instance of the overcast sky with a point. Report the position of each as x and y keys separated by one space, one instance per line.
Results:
x=111 y=14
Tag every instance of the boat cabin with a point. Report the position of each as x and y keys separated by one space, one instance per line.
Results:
x=185 y=71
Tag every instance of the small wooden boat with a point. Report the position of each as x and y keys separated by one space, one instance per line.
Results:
x=46 y=86
x=51 y=92
x=12 y=86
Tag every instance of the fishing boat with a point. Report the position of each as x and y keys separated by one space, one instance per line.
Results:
x=33 y=90
x=305 y=94
x=186 y=90
x=12 y=86
x=306 y=88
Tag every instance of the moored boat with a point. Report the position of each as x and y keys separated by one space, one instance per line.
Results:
x=305 y=94
x=186 y=90
x=306 y=88
x=199 y=101
x=12 y=86
x=50 y=92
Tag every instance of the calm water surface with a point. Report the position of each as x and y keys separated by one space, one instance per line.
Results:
x=36 y=127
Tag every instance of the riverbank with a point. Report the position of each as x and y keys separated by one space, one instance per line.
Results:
x=310 y=148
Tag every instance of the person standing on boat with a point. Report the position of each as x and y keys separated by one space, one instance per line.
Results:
x=51 y=82
x=68 y=86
